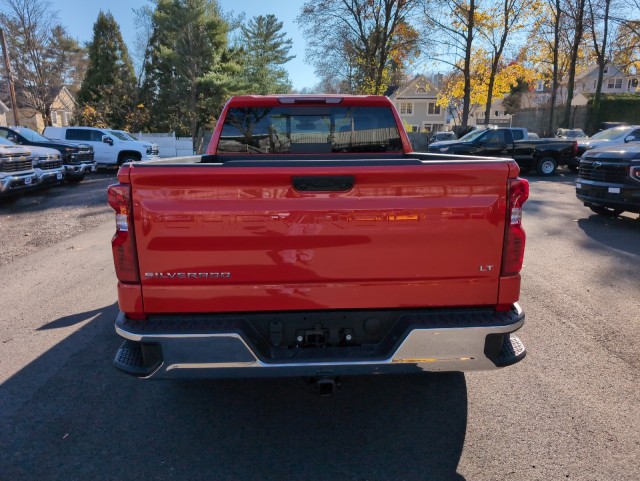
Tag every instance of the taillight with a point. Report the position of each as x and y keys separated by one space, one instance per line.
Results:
x=513 y=253
x=123 y=243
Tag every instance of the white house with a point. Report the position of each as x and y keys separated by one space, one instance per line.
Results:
x=416 y=103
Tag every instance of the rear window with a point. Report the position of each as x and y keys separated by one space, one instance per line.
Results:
x=309 y=130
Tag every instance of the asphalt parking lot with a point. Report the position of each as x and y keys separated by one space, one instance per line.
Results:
x=569 y=411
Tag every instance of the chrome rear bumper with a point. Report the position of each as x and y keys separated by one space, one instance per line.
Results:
x=151 y=352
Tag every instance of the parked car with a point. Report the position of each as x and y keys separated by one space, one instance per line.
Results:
x=543 y=155
x=611 y=125
x=77 y=159
x=46 y=162
x=440 y=136
x=16 y=170
x=109 y=148
x=614 y=136
x=609 y=179
x=571 y=134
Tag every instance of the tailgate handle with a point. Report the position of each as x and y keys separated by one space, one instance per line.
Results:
x=323 y=183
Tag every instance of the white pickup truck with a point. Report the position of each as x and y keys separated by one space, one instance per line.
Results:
x=109 y=147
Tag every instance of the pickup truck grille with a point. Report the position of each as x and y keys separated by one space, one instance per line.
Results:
x=603 y=170
x=49 y=164
x=82 y=156
x=9 y=165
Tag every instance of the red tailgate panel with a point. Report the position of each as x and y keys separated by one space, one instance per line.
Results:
x=232 y=239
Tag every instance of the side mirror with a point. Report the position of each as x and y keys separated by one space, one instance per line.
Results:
x=107 y=140
x=12 y=138
x=630 y=138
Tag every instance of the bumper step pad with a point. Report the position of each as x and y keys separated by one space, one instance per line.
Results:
x=130 y=359
x=512 y=351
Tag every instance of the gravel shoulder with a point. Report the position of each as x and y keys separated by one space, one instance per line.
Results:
x=45 y=217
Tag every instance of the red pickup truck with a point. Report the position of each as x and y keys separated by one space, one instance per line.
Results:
x=312 y=241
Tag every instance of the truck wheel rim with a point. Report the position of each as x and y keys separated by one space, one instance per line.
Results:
x=547 y=167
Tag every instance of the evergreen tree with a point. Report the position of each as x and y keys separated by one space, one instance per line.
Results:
x=109 y=86
x=266 y=51
x=189 y=71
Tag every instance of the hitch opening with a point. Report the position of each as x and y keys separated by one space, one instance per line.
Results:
x=326 y=384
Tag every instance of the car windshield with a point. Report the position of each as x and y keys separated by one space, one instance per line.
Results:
x=31 y=135
x=473 y=135
x=129 y=135
x=120 y=135
x=575 y=133
x=610 y=134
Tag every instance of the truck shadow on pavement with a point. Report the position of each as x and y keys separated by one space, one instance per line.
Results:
x=70 y=415
x=621 y=233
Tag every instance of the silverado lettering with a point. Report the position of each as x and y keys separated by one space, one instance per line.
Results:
x=187 y=275
x=350 y=253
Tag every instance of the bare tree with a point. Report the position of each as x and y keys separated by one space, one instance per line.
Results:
x=576 y=13
x=45 y=58
x=626 y=44
x=143 y=22
x=502 y=22
x=556 y=8
x=599 y=15
x=455 y=23
x=367 y=36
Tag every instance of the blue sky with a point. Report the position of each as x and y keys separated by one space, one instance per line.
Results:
x=79 y=17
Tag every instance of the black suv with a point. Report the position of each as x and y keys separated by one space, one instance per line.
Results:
x=609 y=179
x=77 y=158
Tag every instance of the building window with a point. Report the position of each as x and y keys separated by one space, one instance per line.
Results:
x=406 y=108
x=633 y=83
x=65 y=119
x=414 y=128
x=434 y=109
x=540 y=86
x=421 y=90
x=595 y=84
x=606 y=69
x=54 y=118
x=614 y=83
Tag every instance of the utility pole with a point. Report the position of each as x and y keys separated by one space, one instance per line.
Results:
x=7 y=67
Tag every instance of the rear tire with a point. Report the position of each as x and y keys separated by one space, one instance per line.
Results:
x=547 y=166
x=75 y=179
x=606 y=211
x=127 y=158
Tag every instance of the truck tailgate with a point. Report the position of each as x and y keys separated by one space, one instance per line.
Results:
x=212 y=238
